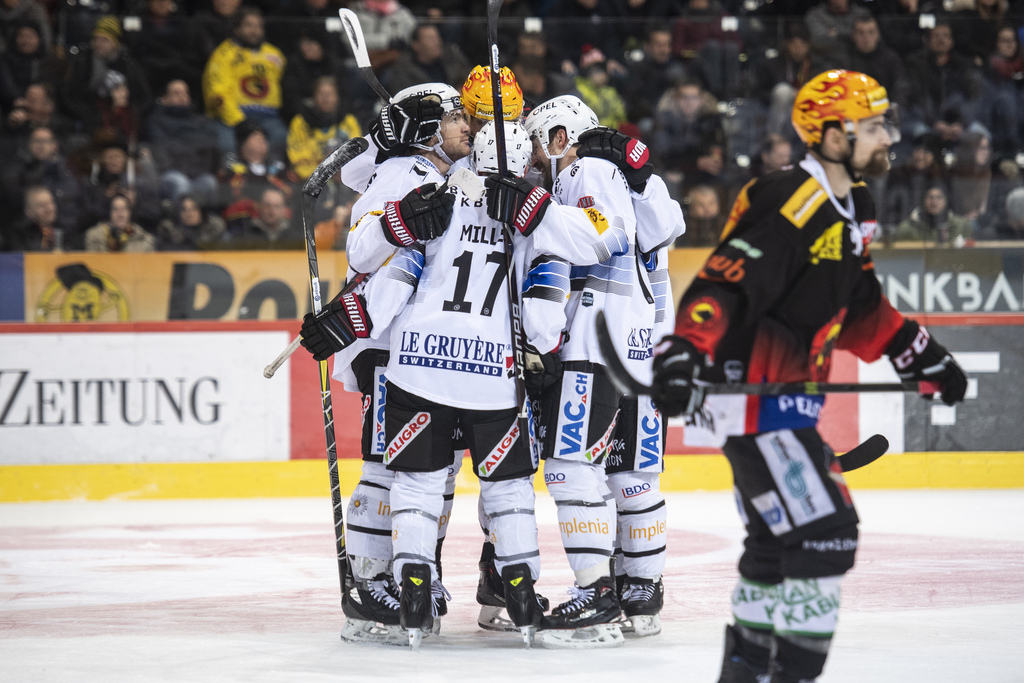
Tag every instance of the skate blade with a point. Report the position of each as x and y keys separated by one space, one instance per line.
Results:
x=372 y=633
x=495 y=619
x=529 y=635
x=415 y=637
x=586 y=638
x=642 y=625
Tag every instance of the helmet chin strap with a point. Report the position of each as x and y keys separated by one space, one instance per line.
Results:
x=436 y=149
x=847 y=162
x=554 y=159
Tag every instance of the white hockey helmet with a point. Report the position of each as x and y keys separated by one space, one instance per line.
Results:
x=450 y=98
x=518 y=149
x=565 y=111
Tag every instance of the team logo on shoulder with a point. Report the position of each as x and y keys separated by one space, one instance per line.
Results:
x=497 y=455
x=404 y=438
x=705 y=312
x=585 y=202
x=598 y=219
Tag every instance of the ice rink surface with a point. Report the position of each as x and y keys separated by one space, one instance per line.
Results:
x=247 y=590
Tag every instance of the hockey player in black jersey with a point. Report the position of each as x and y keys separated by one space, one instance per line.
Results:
x=790 y=281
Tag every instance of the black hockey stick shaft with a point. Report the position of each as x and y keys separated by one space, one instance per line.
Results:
x=354 y=31
x=515 y=318
x=629 y=385
x=310 y=193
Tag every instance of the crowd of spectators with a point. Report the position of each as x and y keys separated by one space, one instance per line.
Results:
x=139 y=125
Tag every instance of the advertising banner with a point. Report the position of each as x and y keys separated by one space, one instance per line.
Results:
x=166 y=392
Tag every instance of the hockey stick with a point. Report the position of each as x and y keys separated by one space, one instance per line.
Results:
x=310 y=192
x=864 y=454
x=629 y=385
x=355 y=38
x=514 y=314
x=269 y=371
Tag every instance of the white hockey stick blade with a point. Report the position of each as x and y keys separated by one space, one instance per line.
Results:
x=588 y=638
x=371 y=633
x=354 y=31
x=468 y=182
x=269 y=371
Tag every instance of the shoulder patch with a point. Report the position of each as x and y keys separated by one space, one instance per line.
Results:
x=598 y=219
x=371 y=214
x=585 y=202
x=804 y=202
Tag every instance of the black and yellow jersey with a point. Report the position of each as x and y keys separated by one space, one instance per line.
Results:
x=790 y=281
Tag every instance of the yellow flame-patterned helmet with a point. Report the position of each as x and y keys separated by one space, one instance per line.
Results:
x=837 y=95
x=479 y=101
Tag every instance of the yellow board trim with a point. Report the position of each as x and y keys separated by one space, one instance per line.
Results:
x=309 y=478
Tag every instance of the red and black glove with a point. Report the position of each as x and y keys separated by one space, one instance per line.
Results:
x=516 y=201
x=677 y=364
x=415 y=119
x=421 y=215
x=630 y=155
x=338 y=325
x=915 y=355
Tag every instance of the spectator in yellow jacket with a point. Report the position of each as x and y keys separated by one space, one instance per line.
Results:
x=319 y=128
x=242 y=82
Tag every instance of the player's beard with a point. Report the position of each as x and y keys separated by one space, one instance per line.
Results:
x=878 y=164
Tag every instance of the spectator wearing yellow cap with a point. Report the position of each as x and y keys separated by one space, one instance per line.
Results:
x=88 y=71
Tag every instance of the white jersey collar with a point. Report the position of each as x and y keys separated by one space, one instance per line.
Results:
x=817 y=171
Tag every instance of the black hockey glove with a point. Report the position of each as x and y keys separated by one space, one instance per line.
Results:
x=421 y=215
x=398 y=125
x=915 y=355
x=516 y=201
x=630 y=155
x=338 y=324
x=543 y=370
x=677 y=364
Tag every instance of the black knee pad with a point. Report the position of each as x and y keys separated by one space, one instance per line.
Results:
x=824 y=554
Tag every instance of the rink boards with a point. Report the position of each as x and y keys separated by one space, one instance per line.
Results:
x=182 y=410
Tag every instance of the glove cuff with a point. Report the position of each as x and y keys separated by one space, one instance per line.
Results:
x=395 y=230
x=356 y=312
x=532 y=211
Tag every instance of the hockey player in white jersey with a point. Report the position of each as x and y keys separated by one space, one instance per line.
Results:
x=637 y=456
x=371 y=604
x=578 y=415
x=450 y=355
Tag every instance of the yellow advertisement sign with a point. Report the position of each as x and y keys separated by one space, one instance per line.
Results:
x=83 y=287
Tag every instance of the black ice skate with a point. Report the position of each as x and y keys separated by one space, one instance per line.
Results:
x=588 y=620
x=372 y=611
x=642 y=600
x=417 y=605
x=747 y=655
x=521 y=600
x=490 y=595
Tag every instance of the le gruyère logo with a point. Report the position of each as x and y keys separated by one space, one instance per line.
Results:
x=81 y=295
